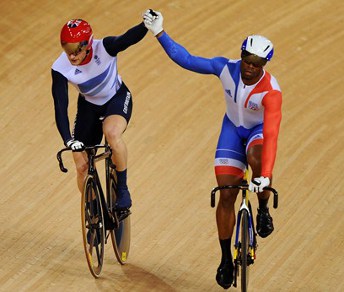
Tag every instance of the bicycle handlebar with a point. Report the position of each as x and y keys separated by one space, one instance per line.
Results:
x=59 y=158
x=241 y=187
x=59 y=154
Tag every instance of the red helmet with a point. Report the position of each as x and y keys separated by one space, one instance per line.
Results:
x=76 y=35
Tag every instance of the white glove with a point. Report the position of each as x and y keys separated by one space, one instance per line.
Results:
x=75 y=145
x=258 y=184
x=153 y=22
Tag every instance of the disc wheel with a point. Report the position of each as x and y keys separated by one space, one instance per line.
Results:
x=120 y=236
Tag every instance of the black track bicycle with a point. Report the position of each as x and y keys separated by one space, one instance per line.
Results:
x=245 y=245
x=99 y=217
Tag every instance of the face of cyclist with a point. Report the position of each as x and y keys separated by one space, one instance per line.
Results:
x=76 y=53
x=251 y=68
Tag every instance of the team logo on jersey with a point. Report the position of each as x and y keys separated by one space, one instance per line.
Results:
x=253 y=106
x=229 y=92
x=97 y=60
x=77 y=71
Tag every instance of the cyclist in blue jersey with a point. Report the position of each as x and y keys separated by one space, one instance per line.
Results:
x=249 y=130
x=104 y=101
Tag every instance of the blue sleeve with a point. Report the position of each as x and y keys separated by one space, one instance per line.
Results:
x=193 y=63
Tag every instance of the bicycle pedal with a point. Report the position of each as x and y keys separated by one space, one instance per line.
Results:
x=122 y=214
x=111 y=221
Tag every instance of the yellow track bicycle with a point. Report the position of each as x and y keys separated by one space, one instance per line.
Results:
x=245 y=244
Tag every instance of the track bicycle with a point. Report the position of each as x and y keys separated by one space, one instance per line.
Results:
x=245 y=244
x=99 y=217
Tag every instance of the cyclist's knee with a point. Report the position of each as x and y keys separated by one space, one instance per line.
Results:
x=114 y=137
x=112 y=133
x=81 y=163
x=81 y=167
x=113 y=128
x=227 y=198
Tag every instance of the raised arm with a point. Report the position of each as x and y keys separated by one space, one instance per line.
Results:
x=116 y=44
x=153 y=20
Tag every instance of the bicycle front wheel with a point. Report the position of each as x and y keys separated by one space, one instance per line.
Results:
x=120 y=236
x=93 y=231
x=245 y=239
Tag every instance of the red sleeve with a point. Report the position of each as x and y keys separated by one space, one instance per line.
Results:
x=272 y=103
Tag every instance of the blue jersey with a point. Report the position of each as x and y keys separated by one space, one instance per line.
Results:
x=244 y=103
x=253 y=112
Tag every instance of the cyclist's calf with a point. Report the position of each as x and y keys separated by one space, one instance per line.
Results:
x=81 y=165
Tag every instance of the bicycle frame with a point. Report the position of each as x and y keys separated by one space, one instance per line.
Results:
x=111 y=222
x=245 y=205
x=244 y=253
x=106 y=221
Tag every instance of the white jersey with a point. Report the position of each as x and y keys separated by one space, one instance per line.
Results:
x=98 y=80
x=244 y=103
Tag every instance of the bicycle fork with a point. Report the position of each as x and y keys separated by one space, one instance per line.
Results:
x=237 y=244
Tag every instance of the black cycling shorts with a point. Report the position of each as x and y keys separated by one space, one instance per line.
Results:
x=89 y=118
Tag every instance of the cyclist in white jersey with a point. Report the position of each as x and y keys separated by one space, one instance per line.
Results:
x=104 y=101
x=249 y=131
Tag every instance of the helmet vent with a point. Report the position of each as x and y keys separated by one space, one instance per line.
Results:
x=258 y=45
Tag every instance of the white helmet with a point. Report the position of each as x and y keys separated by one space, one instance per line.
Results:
x=259 y=46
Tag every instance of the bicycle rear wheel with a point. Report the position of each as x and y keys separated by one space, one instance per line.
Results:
x=244 y=250
x=120 y=236
x=93 y=231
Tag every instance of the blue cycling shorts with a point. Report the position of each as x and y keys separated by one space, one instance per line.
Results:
x=233 y=143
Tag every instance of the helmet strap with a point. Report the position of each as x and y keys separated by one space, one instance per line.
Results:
x=88 y=57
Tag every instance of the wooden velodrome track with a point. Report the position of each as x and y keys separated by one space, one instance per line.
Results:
x=171 y=140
